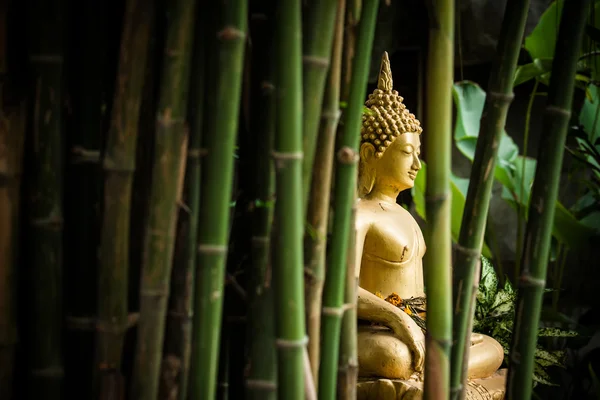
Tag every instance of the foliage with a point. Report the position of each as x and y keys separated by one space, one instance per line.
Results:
x=494 y=316
x=516 y=180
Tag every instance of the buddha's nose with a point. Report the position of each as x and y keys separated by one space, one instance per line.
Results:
x=416 y=163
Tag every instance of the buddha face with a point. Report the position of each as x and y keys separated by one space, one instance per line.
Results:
x=398 y=166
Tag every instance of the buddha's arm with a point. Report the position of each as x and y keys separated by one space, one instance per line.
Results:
x=375 y=309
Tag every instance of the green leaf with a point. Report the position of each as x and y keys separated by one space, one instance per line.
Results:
x=556 y=332
x=589 y=117
x=549 y=358
x=458 y=188
x=541 y=376
x=488 y=284
x=536 y=69
x=542 y=40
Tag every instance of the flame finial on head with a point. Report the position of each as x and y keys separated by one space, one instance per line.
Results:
x=385 y=81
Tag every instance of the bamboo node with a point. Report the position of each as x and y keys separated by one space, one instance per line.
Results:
x=527 y=280
x=467 y=251
x=231 y=33
x=52 y=222
x=184 y=316
x=322 y=62
x=260 y=239
x=155 y=292
x=290 y=343
x=267 y=87
x=331 y=115
x=503 y=97
x=197 y=153
x=164 y=120
x=261 y=384
x=558 y=110
x=347 y=156
x=294 y=155
x=82 y=155
x=333 y=311
x=212 y=249
x=46 y=58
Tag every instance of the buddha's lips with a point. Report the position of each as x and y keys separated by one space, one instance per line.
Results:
x=412 y=176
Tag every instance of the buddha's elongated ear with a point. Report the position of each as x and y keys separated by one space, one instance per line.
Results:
x=366 y=169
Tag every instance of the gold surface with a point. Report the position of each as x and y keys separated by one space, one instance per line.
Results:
x=389 y=251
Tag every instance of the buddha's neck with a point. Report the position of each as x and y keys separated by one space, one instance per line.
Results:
x=384 y=193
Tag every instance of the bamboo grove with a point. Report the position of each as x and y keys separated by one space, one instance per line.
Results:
x=177 y=196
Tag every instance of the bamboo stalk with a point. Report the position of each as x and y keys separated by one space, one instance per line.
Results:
x=261 y=382
x=344 y=199
x=217 y=177
x=88 y=82
x=317 y=53
x=319 y=197
x=438 y=146
x=348 y=370
x=44 y=177
x=543 y=197
x=12 y=133
x=119 y=166
x=179 y=321
x=472 y=231
x=287 y=250
x=165 y=196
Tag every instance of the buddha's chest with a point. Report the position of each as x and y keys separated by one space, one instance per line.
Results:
x=395 y=239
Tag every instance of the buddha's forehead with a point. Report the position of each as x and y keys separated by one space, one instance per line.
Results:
x=413 y=139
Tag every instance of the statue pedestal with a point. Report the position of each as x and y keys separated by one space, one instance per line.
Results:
x=491 y=388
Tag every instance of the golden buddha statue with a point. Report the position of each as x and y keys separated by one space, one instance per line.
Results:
x=389 y=251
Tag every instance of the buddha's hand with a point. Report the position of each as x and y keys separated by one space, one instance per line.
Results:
x=410 y=333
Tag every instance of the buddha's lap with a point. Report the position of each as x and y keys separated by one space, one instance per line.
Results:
x=383 y=354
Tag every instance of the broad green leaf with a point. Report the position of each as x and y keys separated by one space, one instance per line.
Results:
x=542 y=40
x=488 y=284
x=541 y=376
x=536 y=69
x=589 y=117
x=458 y=188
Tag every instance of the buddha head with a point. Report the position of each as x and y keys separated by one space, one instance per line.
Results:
x=390 y=139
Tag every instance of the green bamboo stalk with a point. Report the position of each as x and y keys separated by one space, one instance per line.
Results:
x=217 y=179
x=119 y=166
x=261 y=382
x=472 y=231
x=317 y=52
x=87 y=87
x=45 y=155
x=12 y=133
x=165 y=196
x=289 y=212
x=348 y=369
x=543 y=197
x=344 y=199
x=319 y=198
x=179 y=321
x=438 y=146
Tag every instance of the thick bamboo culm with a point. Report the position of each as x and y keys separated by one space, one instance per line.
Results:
x=344 y=200
x=12 y=133
x=261 y=381
x=178 y=339
x=45 y=184
x=287 y=254
x=543 y=198
x=88 y=83
x=348 y=368
x=217 y=178
x=170 y=150
x=319 y=196
x=318 y=38
x=119 y=165
x=472 y=230
x=438 y=146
